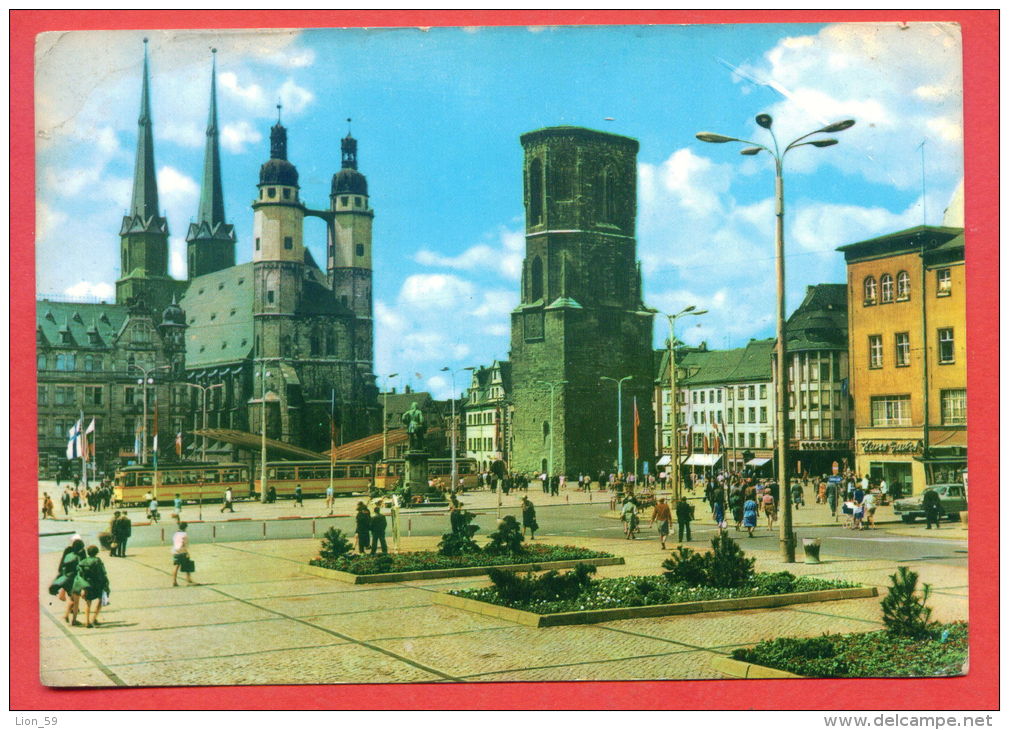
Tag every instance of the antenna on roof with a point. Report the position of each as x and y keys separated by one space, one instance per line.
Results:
x=279 y=107
x=922 y=148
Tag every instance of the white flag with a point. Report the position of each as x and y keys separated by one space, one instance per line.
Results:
x=91 y=427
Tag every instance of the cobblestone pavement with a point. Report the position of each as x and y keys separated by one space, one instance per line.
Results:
x=255 y=619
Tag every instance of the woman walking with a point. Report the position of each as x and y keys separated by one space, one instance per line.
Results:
x=736 y=505
x=718 y=513
x=750 y=516
x=90 y=584
x=529 y=518
x=72 y=555
x=362 y=528
x=180 y=555
x=770 y=509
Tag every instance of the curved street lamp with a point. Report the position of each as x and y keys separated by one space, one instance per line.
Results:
x=620 y=431
x=787 y=538
x=674 y=407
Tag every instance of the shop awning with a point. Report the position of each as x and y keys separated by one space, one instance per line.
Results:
x=703 y=459
x=664 y=460
x=757 y=462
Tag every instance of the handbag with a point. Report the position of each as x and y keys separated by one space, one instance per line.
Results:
x=59 y=584
x=105 y=598
x=189 y=565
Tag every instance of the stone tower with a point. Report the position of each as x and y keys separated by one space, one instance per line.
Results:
x=210 y=242
x=349 y=248
x=144 y=279
x=278 y=263
x=581 y=315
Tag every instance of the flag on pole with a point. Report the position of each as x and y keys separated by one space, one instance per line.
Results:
x=89 y=446
x=75 y=442
x=154 y=441
x=332 y=433
x=178 y=444
x=637 y=425
x=137 y=435
x=705 y=441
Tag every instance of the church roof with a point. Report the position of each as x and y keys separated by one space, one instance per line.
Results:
x=218 y=310
x=89 y=325
x=144 y=215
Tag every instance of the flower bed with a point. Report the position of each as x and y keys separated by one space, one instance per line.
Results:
x=873 y=654
x=426 y=560
x=637 y=591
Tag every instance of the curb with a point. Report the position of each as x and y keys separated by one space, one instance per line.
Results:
x=346 y=577
x=570 y=618
x=745 y=670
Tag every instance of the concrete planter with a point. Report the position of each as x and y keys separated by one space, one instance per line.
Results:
x=595 y=616
x=745 y=670
x=346 y=577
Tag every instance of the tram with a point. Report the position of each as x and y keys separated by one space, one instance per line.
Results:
x=132 y=484
x=349 y=477
x=389 y=473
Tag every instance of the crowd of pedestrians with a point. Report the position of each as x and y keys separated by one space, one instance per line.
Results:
x=81 y=579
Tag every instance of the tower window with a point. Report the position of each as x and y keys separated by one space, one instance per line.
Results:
x=288 y=242
x=344 y=200
x=360 y=249
x=271 y=192
x=535 y=191
x=536 y=279
x=257 y=244
x=287 y=193
x=269 y=296
x=357 y=200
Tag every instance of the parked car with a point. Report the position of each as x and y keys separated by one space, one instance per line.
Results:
x=952 y=498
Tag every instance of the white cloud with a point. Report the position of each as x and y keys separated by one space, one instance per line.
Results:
x=497 y=303
x=98 y=290
x=178 y=192
x=47 y=220
x=436 y=292
x=177 y=257
x=252 y=96
x=184 y=134
x=235 y=136
x=294 y=98
x=501 y=252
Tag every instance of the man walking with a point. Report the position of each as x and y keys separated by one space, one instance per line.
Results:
x=684 y=514
x=378 y=531
x=663 y=515
x=298 y=496
x=832 y=499
x=125 y=530
x=228 y=501
x=933 y=508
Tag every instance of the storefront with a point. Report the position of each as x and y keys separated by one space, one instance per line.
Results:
x=898 y=461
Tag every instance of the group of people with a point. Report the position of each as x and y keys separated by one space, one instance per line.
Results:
x=120 y=530
x=81 y=578
x=369 y=529
x=77 y=498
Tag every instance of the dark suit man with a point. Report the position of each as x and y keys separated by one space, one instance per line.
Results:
x=378 y=531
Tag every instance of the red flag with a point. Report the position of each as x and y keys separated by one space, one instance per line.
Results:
x=178 y=444
x=637 y=425
x=332 y=433
x=705 y=437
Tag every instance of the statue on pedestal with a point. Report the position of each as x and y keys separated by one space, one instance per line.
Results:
x=416 y=427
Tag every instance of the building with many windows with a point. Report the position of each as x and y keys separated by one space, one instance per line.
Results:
x=487 y=414
x=726 y=406
x=907 y=342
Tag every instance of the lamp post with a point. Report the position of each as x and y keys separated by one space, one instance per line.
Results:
x=550 y=460
x=674 y=406
x=385 y=418
x=787 y=539
x=263 y=375
x=143 y=382
x=453 y=475
x=203 y=399
x=620 y=420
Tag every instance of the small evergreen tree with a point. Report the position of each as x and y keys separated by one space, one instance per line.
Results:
x=507 y=539
x=460 y=541
x=550 y=586
x=726 y=565
x=335 y=545
x=685 y=565
x=904 y=612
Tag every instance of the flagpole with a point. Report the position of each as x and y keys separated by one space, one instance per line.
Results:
x=155 y=444
x=332 y=440
x=82 y=443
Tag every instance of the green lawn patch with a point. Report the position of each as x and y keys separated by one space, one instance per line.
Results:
x=429 y=560
x=634 y=591
x=942 y=652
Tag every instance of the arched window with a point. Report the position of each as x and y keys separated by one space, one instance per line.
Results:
x=903 y=286
x=535 y=191
x=606 y=202
x=536 y=279
x=546 y=431
x=869 y=285
x=886 y=288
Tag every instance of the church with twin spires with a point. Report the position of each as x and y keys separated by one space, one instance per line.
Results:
x=278 y=325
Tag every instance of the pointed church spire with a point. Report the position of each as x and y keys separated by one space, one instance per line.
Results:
x=145 y=184
x=212 y=194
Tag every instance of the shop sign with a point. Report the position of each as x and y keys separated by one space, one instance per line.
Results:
x=892 y=447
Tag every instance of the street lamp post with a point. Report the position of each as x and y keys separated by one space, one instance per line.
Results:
x=143 y=382
x=385 y=418
x=787 y=538
x=674 y=406
x=454 y=474
x=203 y=400
x=550 y=459
x=620 y=420
x=263 y=375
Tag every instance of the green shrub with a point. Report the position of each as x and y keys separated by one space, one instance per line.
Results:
x=904 y=613
x=507 y=539
x=724 y=567
x=383 y=564
x=778 y=583
x=335 y=545
x=551 y=586
x=460 y=541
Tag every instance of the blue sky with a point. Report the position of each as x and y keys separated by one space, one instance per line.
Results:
x=438 y=114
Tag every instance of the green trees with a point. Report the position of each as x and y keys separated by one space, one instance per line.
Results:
x=904 y=612
x=724 y=567
x=335 y=545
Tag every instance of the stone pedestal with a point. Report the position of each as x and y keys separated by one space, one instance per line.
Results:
x=415 y=472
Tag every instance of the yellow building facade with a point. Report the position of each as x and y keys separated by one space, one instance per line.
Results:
x=907 y=332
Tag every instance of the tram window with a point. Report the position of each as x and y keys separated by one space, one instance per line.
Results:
x=358 y=470
x=229 y=475
x=286 y=472
x=145 y=479
x=210 y=476
x=130 y=480
x=271 y=473
x=313 y=472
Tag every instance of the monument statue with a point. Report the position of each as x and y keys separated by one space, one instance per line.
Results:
x=416 y=427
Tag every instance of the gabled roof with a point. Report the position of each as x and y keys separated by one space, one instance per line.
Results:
x=218 y=310
x=714 y=367
x=78 y=319
x=910 y=239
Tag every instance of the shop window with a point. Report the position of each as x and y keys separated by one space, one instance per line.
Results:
x=875 y=351
x=903 y=349
x=946 y=354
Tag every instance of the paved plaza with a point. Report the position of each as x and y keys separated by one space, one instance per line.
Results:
x=255 y=618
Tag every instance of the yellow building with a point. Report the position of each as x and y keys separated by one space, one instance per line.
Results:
x=907 y=332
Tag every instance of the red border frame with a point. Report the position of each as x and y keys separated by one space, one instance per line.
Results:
x=978 y=690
